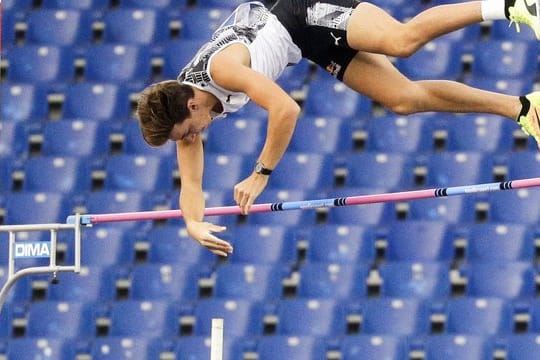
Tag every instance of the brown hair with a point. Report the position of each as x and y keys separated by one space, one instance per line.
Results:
x=160 y=107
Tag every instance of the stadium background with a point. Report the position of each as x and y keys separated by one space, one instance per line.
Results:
x=441 y=278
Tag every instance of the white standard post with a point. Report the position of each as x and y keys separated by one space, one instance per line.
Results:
x=216 y=340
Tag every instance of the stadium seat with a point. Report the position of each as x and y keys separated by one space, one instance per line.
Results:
x=457 y=168
x=380 y=169
x=137 y=173
x=23 y=102
x=59 y=319
x=519 y=206
x=81 y=138
x=395 y=316
x=229 y=4
x=263 y=244
x=452 y=209
x=523 y=165
x=200 y=23
x=237 y=135
x=294 y=79
x=534 y=312
x=134 y=143
x=402 y=134
x=110 y=201
x=459 y=346
x=134 y=318
x=55 y=173
x=21 y=292
x=99 y=101
x=374 y=347
x=522 y=347
x=250 y=281
x=420 y=240
x=333 y=281
x=504 y=59
x=143 y=26
x=170 y=244
x=165 y=282
x=117 y=63
x=223 y=171
x=19 y=5
x=10 y=19
x=504 y=86
x=35 y=208
x=14 y=139
x=303 y=171
x=310 y=317
x=325 y=135
x=284 y=347
x=349 y=102
x=500 y=31
x=120 y=347
x=40 y=63
x=478 y=316
x=176 y=54
x=340 y=244
x=156 y=4
x=91 y=284
x=7 y=166
x=500 y=242
x=438 y=59
x=80 y=4
x=241 y=316
x=6 y=319
x=36 y=348
x=507 y=280
x=404 y=279
x=60 y=27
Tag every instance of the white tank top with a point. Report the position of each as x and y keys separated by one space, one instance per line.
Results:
x=269 y=43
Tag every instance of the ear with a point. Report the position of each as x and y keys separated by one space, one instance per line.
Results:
x=192 y=104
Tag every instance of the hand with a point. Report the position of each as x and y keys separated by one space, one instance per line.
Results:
x=247 y=191
x=202 y=232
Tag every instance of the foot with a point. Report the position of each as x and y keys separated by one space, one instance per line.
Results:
x=525 y=12
x=529 y=118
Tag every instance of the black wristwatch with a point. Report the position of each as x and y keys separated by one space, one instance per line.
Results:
x=260 y=169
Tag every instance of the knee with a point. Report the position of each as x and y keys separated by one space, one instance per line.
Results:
x=407 y=41
x=408 y=101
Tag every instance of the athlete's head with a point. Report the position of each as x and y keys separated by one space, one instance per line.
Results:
x=160 y=107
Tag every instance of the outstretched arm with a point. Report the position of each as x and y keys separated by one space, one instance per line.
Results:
x=191 y=162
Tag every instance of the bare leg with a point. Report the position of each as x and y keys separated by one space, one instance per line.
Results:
x=374 y=76
x=371 y=29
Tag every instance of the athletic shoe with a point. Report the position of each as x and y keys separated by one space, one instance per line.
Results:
x=529 y=119
x=526 y=12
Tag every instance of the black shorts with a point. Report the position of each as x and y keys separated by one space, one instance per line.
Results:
x=318 y=28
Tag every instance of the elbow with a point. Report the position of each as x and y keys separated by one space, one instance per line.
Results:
x=292 y=110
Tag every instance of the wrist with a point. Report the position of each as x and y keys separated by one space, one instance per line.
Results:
x=261 y=169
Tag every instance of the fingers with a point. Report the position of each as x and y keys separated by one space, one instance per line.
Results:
x=243 y=199
x=215 y=244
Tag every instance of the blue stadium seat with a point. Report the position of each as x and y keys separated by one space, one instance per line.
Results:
x=504 y=59
x=110 y=201
x=165 y=282
x=223 y=171
x=250 y=281
x=534 y=312
x=462 y=346
x=35 y=208
x=294 y=78
x=143 y=26
x=57 y=173
x=438 y=59
x=80 y=4
x=403 y=134
x=380 y=169
x=81 y=138
x=263 y=244
x=284 y=347
x=171 y=244
x=135 y=318
x=519 y=206
x=340 y=244
x=21 y=291
x=19 y=5
x=200 y=23
x=500 y=242
x=176 y=54
x=452 y=209
x=456 y=168
x=319 y=134
x=415 y=279
x=10 y=19
x=374 y=347
x=479 y=316
x=230 y=4
x=7 y=166
x=91 y=284
x=117 y=63
x=36 y=348
x=499 y=31
x=522 y=347
x=40 y=63
x=523 y=164
x=137 y=173
x=198 y=347
x=508 y=280
x=333 y=281
x=311 y=317
x=395 y=316
x=156 y=4
x=59 y=319
x=14 y=136
x=120 y=347
x=23 y=101
x=271 y=195
x=241 y=316
x=6 y=319
x=134 y=143
x=315 y=170
x=99 y=101
x=419 y=240
x=349 y=102
x=237 y=135
x=59 y=27
x=505 y=86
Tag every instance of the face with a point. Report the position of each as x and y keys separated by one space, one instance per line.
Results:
x=191 y=127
